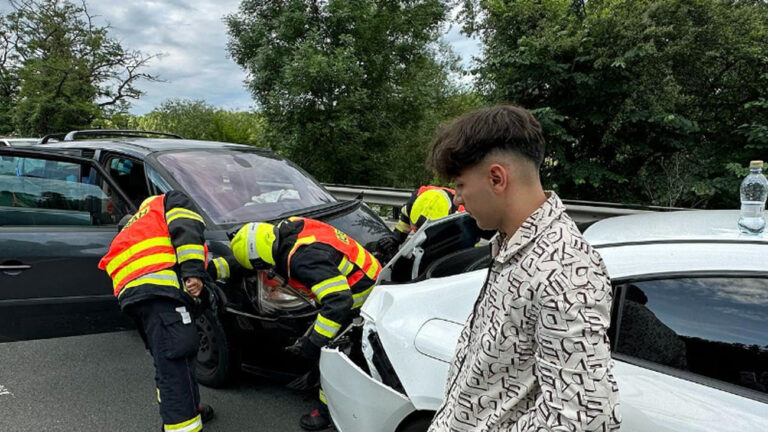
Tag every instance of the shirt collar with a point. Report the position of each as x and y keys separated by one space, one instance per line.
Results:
x=531 y=228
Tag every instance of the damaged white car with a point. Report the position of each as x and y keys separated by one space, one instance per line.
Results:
x=689 y=327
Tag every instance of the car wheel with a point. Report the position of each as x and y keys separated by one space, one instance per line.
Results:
x=218 y=361
x=418 y=423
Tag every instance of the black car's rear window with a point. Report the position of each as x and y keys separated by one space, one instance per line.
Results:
x=234 y=186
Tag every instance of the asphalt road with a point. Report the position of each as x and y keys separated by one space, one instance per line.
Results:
x=104 y=382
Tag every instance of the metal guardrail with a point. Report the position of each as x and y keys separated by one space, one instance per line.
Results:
x=580 y=211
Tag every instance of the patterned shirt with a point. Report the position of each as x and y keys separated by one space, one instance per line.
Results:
x=534 y=354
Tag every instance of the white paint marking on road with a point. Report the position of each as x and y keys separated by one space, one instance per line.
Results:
x=4 y=391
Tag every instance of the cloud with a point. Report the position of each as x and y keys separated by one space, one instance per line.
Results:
x=189 y=37
x=465 y=47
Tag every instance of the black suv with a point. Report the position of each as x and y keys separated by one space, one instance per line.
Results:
x=61 y=201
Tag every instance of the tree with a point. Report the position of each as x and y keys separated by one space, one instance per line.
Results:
x=194 y=119
x=348 y=89
x=61 y=69
x=654 y=101
x=9 y=80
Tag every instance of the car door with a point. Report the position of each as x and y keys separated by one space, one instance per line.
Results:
x=440 y=248
x=692 y=353
x=58 y=215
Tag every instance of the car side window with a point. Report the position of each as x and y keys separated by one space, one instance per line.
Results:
x=157 y=183
x=129 y=175
x=53 y=192
x=714 y=327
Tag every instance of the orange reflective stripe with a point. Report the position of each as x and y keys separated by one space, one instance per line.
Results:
x=136 y=249
x=140 y=264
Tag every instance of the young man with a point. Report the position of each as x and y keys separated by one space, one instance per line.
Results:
x=534 y=354
x=321 y=260
x=157 y=263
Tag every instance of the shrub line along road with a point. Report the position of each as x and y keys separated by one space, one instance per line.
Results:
x=105 y=382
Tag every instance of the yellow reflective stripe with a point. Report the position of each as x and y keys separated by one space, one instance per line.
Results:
x=161 y=258
x=222 y=268
x=163 y=277
x=345 y=267
x=158 y=395
x=330 y=285
x=371 y=272
x=359 y=298
x=178 y=212
x=326 y=327
x=189 y=252
x=302 y=241
x=192 y=425
x=360 y=259
x=135 y=249
x=402 y=227
x=322 y=397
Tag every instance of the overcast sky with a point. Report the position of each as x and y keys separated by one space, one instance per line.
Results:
x=190 y=37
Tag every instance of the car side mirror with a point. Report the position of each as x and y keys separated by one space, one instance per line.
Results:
x=123 y=222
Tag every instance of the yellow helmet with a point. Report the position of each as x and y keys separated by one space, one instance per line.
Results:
x=431 y=204
x=254 y=242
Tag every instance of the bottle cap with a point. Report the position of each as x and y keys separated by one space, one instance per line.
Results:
x=756 y=164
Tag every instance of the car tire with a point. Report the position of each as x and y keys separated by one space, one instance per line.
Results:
x=418 y=423
x=218 y=359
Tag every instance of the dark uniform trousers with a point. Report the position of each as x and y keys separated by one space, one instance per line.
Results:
x=171 y=336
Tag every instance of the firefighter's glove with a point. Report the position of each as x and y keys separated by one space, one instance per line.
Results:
x=303 y=347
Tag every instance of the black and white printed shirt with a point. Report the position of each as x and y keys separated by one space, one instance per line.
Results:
x=534 y=354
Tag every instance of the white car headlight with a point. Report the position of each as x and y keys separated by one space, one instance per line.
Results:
x=274 y=295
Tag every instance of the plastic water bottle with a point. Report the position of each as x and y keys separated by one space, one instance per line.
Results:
x=754 y=191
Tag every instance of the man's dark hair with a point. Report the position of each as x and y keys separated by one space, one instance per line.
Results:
x=467 y=140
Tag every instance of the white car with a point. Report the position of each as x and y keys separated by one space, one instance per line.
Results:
x=689 y=325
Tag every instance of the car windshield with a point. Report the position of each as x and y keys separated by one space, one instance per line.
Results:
x=234 y=186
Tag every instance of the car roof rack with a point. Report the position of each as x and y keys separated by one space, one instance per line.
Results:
x=54 y=136
x=72 y=136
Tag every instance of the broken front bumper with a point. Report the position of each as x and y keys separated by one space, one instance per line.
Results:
x=358 y=402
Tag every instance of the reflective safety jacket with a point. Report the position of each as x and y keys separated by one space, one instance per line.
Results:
x=406 y=224
x=161 y=245
x=333 y=267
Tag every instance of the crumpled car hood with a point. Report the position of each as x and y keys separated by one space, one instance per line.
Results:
x=418 y=325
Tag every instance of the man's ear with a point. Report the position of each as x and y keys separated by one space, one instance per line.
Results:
x=498 y=176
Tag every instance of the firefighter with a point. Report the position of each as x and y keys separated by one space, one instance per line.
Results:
x=321 y=260
x=157 y=265
x=427 y=203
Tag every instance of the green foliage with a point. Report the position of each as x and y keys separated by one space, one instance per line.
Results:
x=351 y=91
x=650 y=101
x=194 y=119
x=61 y=71
x=198 y=120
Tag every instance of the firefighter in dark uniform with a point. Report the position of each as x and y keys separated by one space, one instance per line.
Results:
x=427 y=203
x=157 y=264
x=321 y=260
